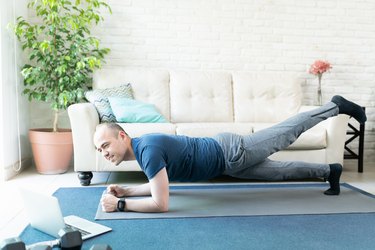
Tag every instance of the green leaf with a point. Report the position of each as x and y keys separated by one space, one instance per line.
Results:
x=61 y=52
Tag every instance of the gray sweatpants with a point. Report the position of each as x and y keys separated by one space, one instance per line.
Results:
x=246 y=156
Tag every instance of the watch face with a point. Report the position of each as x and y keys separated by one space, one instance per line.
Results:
x=121 y=205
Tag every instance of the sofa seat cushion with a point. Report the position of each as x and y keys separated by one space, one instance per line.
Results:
x=138 y=129
x=314 y=138
x=211 y=129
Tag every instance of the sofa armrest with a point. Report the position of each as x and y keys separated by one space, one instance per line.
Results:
x=83 y=119
x=336 y=136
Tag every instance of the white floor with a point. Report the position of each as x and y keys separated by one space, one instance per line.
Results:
x=13 y=218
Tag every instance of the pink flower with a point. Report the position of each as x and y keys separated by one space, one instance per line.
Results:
x=319 y=67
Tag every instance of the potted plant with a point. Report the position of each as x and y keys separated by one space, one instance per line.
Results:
x=62 y=55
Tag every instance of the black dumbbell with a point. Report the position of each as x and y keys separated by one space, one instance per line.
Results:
x=69 y=240
x=17 y=244
x=14 y=243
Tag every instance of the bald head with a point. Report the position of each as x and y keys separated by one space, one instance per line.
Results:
x=112 y=142
x=112 y=128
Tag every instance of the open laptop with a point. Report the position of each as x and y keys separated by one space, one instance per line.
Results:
x=45 y=215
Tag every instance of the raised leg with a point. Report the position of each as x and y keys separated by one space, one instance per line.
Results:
x=245 y=151
x=258 y=146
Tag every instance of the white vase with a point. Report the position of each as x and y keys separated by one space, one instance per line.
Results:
x=319 y=91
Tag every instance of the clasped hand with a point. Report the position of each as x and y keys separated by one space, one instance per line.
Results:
x=110 y=199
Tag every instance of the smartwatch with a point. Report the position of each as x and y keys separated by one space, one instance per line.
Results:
x=121 y=205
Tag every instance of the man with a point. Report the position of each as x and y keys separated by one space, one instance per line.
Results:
x=165 y=158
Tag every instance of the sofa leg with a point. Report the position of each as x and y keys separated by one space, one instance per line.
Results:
x=85 y=178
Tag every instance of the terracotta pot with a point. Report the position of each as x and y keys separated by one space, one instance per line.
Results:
x=52 y=151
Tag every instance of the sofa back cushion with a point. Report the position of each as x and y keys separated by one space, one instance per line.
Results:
x=198 y=96
x=149 y=85
x=265 y=97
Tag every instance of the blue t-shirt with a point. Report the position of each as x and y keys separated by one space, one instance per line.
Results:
x=185 y=158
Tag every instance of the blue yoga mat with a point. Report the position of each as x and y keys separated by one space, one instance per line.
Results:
x=319 y=231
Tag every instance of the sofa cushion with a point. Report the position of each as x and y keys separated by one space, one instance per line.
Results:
x=129 y=110
x=212 y=129
x=138 y=129
x=265 y=97
x=201 y=96
x=99 y=97
x=149 y=85
x=314 y=138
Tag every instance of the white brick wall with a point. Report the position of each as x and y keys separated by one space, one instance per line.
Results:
x=269 y=35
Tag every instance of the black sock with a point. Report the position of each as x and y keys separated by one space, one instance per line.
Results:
x=349 y=108
x=334 y=179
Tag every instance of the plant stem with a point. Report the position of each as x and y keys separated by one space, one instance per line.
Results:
x=55 y=120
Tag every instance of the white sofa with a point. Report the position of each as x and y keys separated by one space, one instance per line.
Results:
x=204 y=103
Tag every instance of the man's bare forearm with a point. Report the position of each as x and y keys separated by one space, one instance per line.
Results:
x=158 y=188
x=141 y=190
x=145 y=205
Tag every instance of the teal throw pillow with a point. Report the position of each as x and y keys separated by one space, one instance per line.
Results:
x=99 y=98
x=132 y=111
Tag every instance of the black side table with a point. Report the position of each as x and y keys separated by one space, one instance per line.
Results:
x=355 y=133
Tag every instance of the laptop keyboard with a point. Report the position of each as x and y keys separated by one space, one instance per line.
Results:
x=83 y=232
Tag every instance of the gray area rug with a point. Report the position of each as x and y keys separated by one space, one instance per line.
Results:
x=254 y=199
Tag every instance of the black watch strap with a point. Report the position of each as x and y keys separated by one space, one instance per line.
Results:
x=121 y=205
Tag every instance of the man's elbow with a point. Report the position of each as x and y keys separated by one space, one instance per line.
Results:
x=162 y=207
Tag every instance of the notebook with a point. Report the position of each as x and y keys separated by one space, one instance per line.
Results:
x=45 y=215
